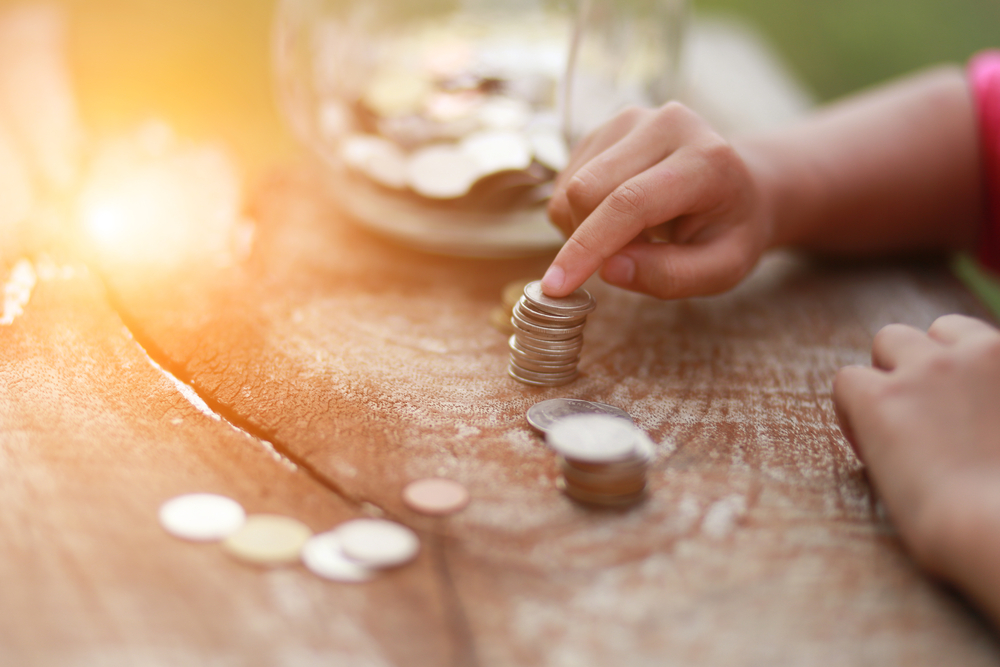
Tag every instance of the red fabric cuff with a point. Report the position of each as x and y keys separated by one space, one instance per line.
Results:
x=984 y=78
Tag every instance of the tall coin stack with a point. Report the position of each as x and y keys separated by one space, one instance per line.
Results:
x=602 y=459
x=548 y=336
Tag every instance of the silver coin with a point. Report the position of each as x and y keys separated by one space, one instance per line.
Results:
x=544 y=415
x=324 y=557
x=547 y=355
x=532 y=344
x=558 y=382
x=545 y=361
x=441 y=171
x=541 y=376
x=377 y=543
x=579 y=302
x=201 y=517
x=540 y=367
x=545 y=333
x=532 y=314
x=495 y=151
x=593 y=438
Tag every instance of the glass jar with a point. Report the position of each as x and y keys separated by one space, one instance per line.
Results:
x=443 y=123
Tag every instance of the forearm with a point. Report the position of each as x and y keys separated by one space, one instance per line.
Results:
x=894 y=170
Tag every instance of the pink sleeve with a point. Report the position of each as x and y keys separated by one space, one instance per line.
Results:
x=984 y=77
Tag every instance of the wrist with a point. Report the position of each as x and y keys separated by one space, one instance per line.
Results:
x=784 y=187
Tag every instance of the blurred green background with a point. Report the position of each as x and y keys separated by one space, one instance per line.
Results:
x=203 y=65
x=836 y=46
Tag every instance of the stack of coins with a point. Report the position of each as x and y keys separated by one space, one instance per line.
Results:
x=548 y=336
x=602 y=459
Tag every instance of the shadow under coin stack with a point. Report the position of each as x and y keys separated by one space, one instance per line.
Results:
x=602 y=458
x=548 y=336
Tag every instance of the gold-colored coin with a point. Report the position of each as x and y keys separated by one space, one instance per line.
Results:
x=268 y=539
x=500 y=319
x=513 y=291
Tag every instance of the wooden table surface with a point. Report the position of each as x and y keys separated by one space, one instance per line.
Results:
x=333 y=367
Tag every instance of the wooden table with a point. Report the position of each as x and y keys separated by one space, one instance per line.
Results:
x=333 y=367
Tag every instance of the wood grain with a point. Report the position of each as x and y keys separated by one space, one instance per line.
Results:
x=372 y=365
x=93 y=438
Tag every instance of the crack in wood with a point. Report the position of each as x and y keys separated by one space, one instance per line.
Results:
x=455 y=616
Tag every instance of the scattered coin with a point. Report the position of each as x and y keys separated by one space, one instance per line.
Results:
x=378 y=543
x=544 y=415
x=548 y=336
x=435 y=496
x=324 y=557
x=602 y=458
x=268 y=539
x=201 y=517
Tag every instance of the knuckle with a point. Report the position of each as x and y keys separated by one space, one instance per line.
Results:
x=886 y=335
x=717 y=151
x=628 y=199
x=938 y=364
x=631 y=114
x=944 y=322
x=558 y=210
x=584 y=244
x=676 y=110
x=580 y=192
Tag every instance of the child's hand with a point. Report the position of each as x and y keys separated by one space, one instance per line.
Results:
x=649 y=176
x=926 y=422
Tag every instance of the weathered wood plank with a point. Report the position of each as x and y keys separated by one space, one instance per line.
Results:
x=93 y=437
x=759 y=544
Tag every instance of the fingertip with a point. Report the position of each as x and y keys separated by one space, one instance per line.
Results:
x=554 y=280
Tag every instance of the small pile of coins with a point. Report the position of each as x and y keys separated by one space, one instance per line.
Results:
x=354 y=551
x=602 y=459
x=548 y=336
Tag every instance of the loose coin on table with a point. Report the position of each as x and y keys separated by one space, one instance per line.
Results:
x=324 y=557
x=268 y=539
x=201 y=517
x=435 y=496
x=377 y=543
x=545 y=414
